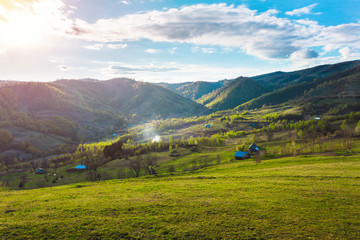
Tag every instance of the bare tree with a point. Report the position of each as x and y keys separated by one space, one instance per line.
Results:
x=259 y=155
x=136 y=165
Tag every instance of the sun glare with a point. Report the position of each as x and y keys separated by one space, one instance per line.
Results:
x=23 y=29
x=26 y=26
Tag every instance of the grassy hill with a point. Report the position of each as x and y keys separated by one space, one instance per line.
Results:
x=238 y=91
x=289 y=198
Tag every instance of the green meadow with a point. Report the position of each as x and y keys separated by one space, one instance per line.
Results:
x=303 y=197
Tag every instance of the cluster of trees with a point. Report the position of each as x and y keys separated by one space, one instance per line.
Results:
x=130 y=148
x=149 y=164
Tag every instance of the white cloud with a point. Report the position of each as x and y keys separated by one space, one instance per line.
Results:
x=304 y=54
x=117 y=46
x=159 y=72
x=260 y=34
x=152 y=51
x=195 y=49
x=130 y=69
x=126 y=2
x=209 y=27
x=301 y=11
x=94 y=47
x=208 y=50
x=348 y=54
x=203 y=50
x=172 y=50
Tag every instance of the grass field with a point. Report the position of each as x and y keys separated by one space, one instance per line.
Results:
x=305 y=197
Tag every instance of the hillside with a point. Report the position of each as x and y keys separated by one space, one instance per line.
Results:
x=47 y=115
x=321 y=94
x=306 y=197
x=196 y=90
x=238 y=91
x=278 y=80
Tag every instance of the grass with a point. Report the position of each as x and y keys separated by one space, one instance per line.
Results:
x=306 y=197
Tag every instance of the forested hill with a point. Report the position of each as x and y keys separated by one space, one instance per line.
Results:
x=69 y=111
x=278 y=80
x=119 y=95
x=195 y=90
x=335 y=93
x=238 y=91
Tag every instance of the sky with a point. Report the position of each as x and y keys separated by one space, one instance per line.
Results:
x=172 y=41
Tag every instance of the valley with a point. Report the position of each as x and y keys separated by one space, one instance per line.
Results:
x=161 y=162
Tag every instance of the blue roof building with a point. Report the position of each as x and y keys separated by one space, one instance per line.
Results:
x=40 y=171
x=241 y=155
x=81 y=167
x=253 y=148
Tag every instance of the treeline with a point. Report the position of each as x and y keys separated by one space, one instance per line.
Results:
x=125 y=150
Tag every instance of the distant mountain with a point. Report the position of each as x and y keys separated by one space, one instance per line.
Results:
x=236 y=92
x=278 y=80
x=173 y=86
x=340 y=90
x=195 y=90
x=131 y=97
x=3 y=82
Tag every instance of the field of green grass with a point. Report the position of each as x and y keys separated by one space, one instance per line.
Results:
x=304 y=197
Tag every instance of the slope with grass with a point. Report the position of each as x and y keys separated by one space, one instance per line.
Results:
x=290 y=198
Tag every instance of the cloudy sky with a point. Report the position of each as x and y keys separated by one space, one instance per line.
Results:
x=172 y=41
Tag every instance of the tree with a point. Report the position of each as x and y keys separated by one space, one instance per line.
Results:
x=113 y=150
x=301 y=134
x=344 y=127
x=150 y=164
x=259 y=155
x=5 y=137
x=357 y=128
x=135 y=165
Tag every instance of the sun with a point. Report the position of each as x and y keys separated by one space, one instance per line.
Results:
x=24 y=26
x=23 y=29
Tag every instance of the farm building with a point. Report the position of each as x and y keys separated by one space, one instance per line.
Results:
x=241 y=155
x=40 y=171
x=80 y=167
x=253 y=148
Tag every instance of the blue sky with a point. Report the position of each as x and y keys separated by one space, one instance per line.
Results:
x=172 y=41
